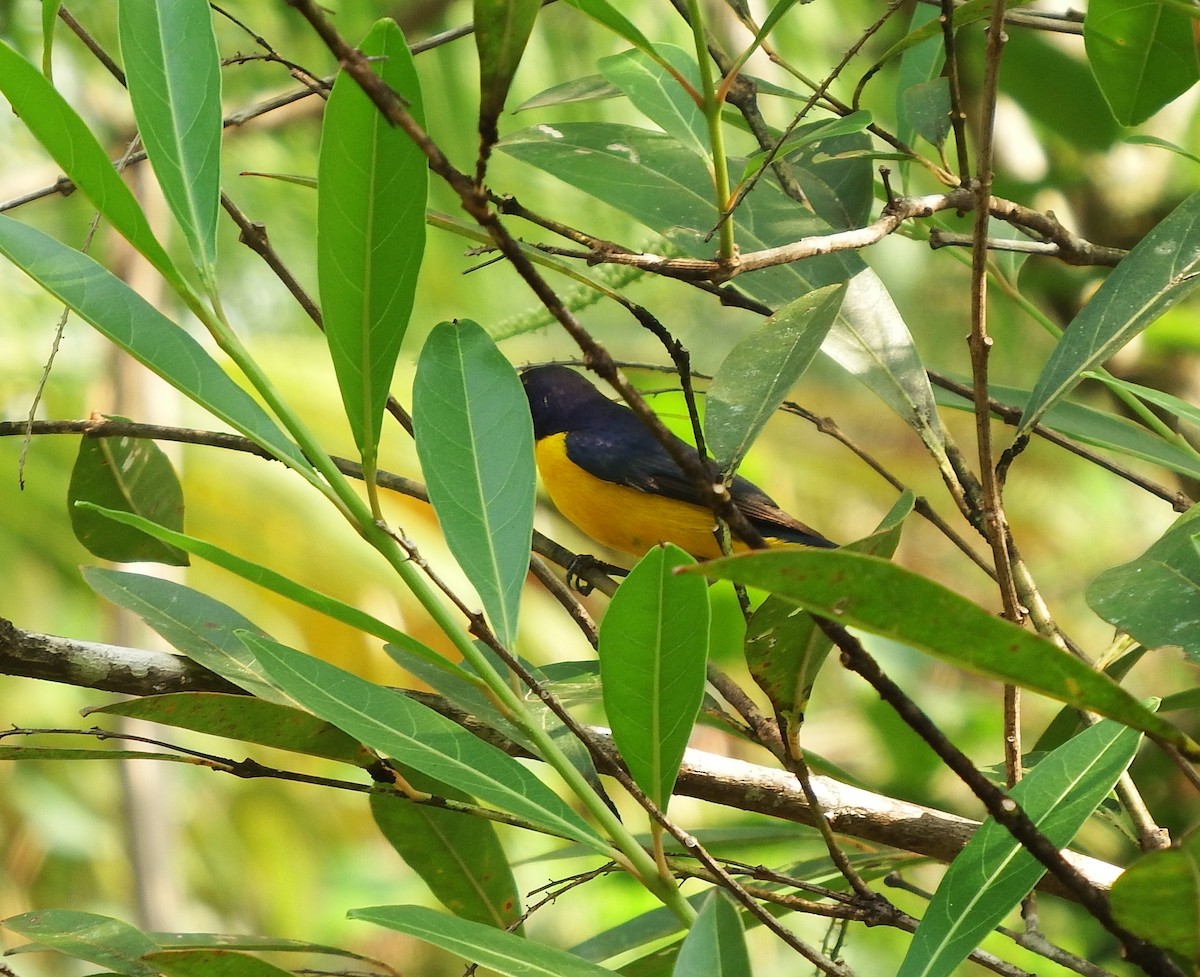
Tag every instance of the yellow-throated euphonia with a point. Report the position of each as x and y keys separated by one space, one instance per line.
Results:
x=612 y=478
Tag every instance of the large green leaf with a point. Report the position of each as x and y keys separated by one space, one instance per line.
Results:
x=505 y=953
x=1158 y=897
x=715 y=946
x=1156 y=597
x=653 y=656
x=130 y=475
x=271 y=580
x=246 y=719
x=878 y=597
x=101 y=940
x=119 y=313
x=1156 y=275
x=418 y=737
x=173 y=72
x=372 y=182
x=475 y=442
x=70 y=142
x=993 y=873
x=761 y=370
x=1142 y=54
x=656 y=93
x=502 y=28
x=459 y=857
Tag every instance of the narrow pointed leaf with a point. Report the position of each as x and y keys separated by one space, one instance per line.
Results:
x=131 y=475
x=1143 y=55
x=1156 y=275
x=505 y=953
x=653 y=656
x=761 y=371
x=66 y=137
x=101 y=940
x=173 y=72
x=458 y=856
x=502 y=29
x=715 y=946
x=372 y=184
x=475 y=442
x=876 y=596
x=124 y=317
x=1158 y=897
x=993 y=873
x=417 y=736
x=271 y=580
x=212 y=963
x=246 y=719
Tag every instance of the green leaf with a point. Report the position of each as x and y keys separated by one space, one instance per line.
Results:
x=927 y=107
x=875 y=596
x=212 y=963
x=655 y=93
x=605 y=13
x=418 y=737
x=246 y=719
x=1098 y=427
x=272 y=580
x=506 y=953
x=44 y=753
x=372 y=183
x=502 y=29
x=1156 y=598
x=202 y=628
x=120 y=314
x=458 y=856
x=785 y=649
x=101 y=940
x=589 y=88
x=1143 y=55
x=127 y=475
x=1158 y=897
x=761 y=370
x=475 y=442
x=920 y=64
x=654 y=179
x=50 y=10
x=653 y=655
x=1156 y=275
x=993 y=873
x=173 y=72
x=66 y=137
x=1142 y=140
x=715 y=946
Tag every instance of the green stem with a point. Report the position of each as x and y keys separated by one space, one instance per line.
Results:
x=716 y=136
x=337 y=488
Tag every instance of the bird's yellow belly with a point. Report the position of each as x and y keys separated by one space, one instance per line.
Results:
x=622 y=517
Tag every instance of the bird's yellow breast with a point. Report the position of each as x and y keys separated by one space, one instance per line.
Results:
x=619 y=516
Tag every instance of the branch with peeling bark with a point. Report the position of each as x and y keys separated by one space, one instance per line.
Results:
x=731 y=783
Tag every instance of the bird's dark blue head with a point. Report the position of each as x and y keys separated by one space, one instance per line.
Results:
x=562 y=400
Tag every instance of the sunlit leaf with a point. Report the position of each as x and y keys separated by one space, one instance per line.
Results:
x=475 y=442
x=761 y=371
x=101 y=940
x=372 y=182
x=653 y=655
x=876 y=596
x=993 y=873
x=502 y=28
x=1156 y=275
x=715 y=945
x=130 y=475
x=416 y=736
x=656 y=93
x=120 y=314
x=1142 y=54
x=173 y=72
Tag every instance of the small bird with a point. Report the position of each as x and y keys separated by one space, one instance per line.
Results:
x=612 y=478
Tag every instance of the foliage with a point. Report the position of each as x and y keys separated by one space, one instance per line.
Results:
x=725 y=184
